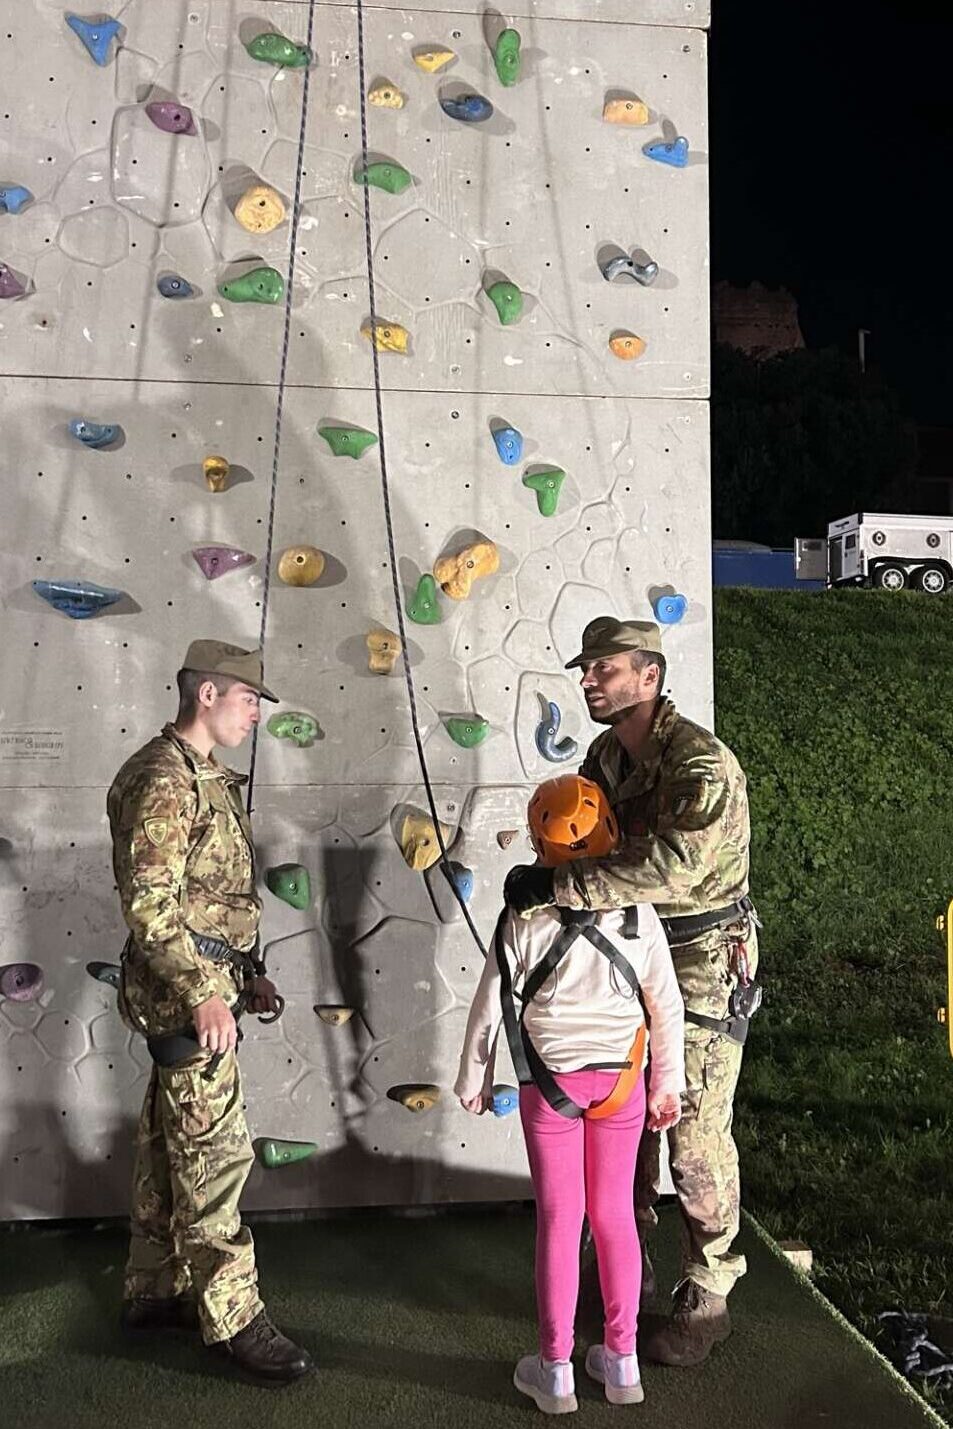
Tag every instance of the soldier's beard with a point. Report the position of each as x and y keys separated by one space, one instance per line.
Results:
x=612 y=709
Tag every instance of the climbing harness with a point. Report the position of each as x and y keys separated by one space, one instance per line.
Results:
x=529 y=1066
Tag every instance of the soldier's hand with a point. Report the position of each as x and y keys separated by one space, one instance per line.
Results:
x=264 y=995
x=664 y=1111
x=215 y=1025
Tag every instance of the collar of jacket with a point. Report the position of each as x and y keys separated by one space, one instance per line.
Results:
x=628 y=780
x=201 y=767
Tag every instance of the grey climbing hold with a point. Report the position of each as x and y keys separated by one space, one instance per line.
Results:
x=109 y=973
x=94 y=434
x=170 y=285
x=550 y=746
x=644 y=273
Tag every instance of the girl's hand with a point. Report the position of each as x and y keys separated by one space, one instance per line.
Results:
x=476 y=1105
x=664 y=1111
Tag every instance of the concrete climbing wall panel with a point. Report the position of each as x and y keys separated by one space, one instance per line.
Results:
x=112 y=314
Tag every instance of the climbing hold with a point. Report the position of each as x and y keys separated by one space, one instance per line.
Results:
x=215 y=469
x=109 y=973
x=291 y=883
x=332 y=1014
x=13 y=197
x=546 y=732
x=415 y=1097
x=383 y=649
x=467 y=731
x=21 y=982
x=547 y=485
x=275 y=49
x=505 y=1099
x=392 y=178
x=644 y=273
x=296 y=726
x=386 y=95
x=418 y=841
x=215 y=561
x=669 y=609
x=468 y=108
x=509 y=445
x=627 y=345
x=386 y=337
x=301 y=565
x=170 y=285
x=260 y=209
x=506 y=836
x=172 y=117
x=506 y=57
x=273 y=1153
x=625 y=111
x=432 y=60
x=77 y=599
x=348 y=441
x=96 y=35
x=423 y=607
x=508 y=301
x=675 y=153
x=457 y=573
x=93 y=434
x=460 y=877
x=261 y=285
x=10 y=285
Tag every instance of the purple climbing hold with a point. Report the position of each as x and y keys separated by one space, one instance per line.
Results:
x=21 y=982
x=215 y=561
x=171 y=116
x=10 y=285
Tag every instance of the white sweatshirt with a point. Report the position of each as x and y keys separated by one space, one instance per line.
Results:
x=584 y=1012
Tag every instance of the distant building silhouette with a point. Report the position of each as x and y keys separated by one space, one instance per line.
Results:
x=758 y=320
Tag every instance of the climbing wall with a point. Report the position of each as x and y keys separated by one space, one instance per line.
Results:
x=541 y=276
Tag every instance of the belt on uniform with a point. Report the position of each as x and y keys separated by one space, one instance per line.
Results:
x=693 y=925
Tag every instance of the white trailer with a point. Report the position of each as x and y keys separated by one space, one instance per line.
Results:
x=883 y=550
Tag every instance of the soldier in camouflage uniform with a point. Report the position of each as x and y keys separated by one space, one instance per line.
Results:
x=680 y=798
x=185 y=869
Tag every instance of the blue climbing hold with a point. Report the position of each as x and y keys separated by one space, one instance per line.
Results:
x=557 y=751
x=509 y=445
x=77 y=599
x=93 y=434
x=675 y=154
x=468 y=108
x=504 y=1100
x=96 y=35
x=669 y=609
x=461 y=878
x=13 y=197
x=170 y=285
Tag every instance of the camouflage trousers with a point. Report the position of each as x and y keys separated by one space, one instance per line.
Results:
x=702 y=1152
x=193 y=1155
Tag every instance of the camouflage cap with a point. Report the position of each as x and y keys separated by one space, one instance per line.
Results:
x=214 y=657
x=607 y=636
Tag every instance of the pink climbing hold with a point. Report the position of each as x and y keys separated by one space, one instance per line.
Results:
x=171 y=116
x=215 y=561
x=10 y=284
x=21 y=982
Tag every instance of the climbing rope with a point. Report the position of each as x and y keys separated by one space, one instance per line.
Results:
x=916 y=1356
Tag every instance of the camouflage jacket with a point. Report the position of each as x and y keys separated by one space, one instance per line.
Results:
x=683 y=816
x=183 y=859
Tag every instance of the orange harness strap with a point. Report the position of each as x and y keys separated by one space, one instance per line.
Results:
x=625 y=1085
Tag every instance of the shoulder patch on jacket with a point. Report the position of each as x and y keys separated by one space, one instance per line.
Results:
x=156 y=831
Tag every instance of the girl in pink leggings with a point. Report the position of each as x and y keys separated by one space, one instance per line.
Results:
x=571 y=994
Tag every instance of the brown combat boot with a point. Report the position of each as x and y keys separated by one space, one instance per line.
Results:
x=142 y=1313
x=264 y=1354
x=699 y=1321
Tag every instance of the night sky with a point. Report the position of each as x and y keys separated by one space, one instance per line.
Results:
x=831 y=130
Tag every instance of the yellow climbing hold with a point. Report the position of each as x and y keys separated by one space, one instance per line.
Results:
x=386 y=95
x=386 y=337
x=260 y=209
x=432 y=60
x=415 y=1097
x=625 y=111
x=627 y=346
x=334 y=1015
x=456 y=574
x=216 y=472
x=418 y=840
x=301 y=565
x=383 y=648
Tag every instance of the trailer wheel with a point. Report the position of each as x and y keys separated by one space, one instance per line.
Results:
x=891 y=577
x=932 y=580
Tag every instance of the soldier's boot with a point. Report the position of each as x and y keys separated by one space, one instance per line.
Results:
x=142 y=1313
x=699 y=1321
x=264 y=1354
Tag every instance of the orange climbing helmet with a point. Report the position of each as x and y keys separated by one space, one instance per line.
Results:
x=569 y=817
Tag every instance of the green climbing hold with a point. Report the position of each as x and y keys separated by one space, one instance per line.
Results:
x=424 y=608
x=508 y=301
x=506 y=57
x=261 y=285
x=295 y=726
x=547 y=485
x=275 y=49
x=348 y=441
x=392 y=178
x=468 y=733
x=291 y=883
x=273 y=1153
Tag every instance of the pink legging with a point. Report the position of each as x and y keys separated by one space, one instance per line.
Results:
x=579 y=1168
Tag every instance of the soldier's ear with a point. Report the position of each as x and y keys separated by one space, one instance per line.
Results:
x=207 y=694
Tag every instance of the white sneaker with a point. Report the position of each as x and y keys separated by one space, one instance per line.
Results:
x=552 y=1386
x=618 y=1373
